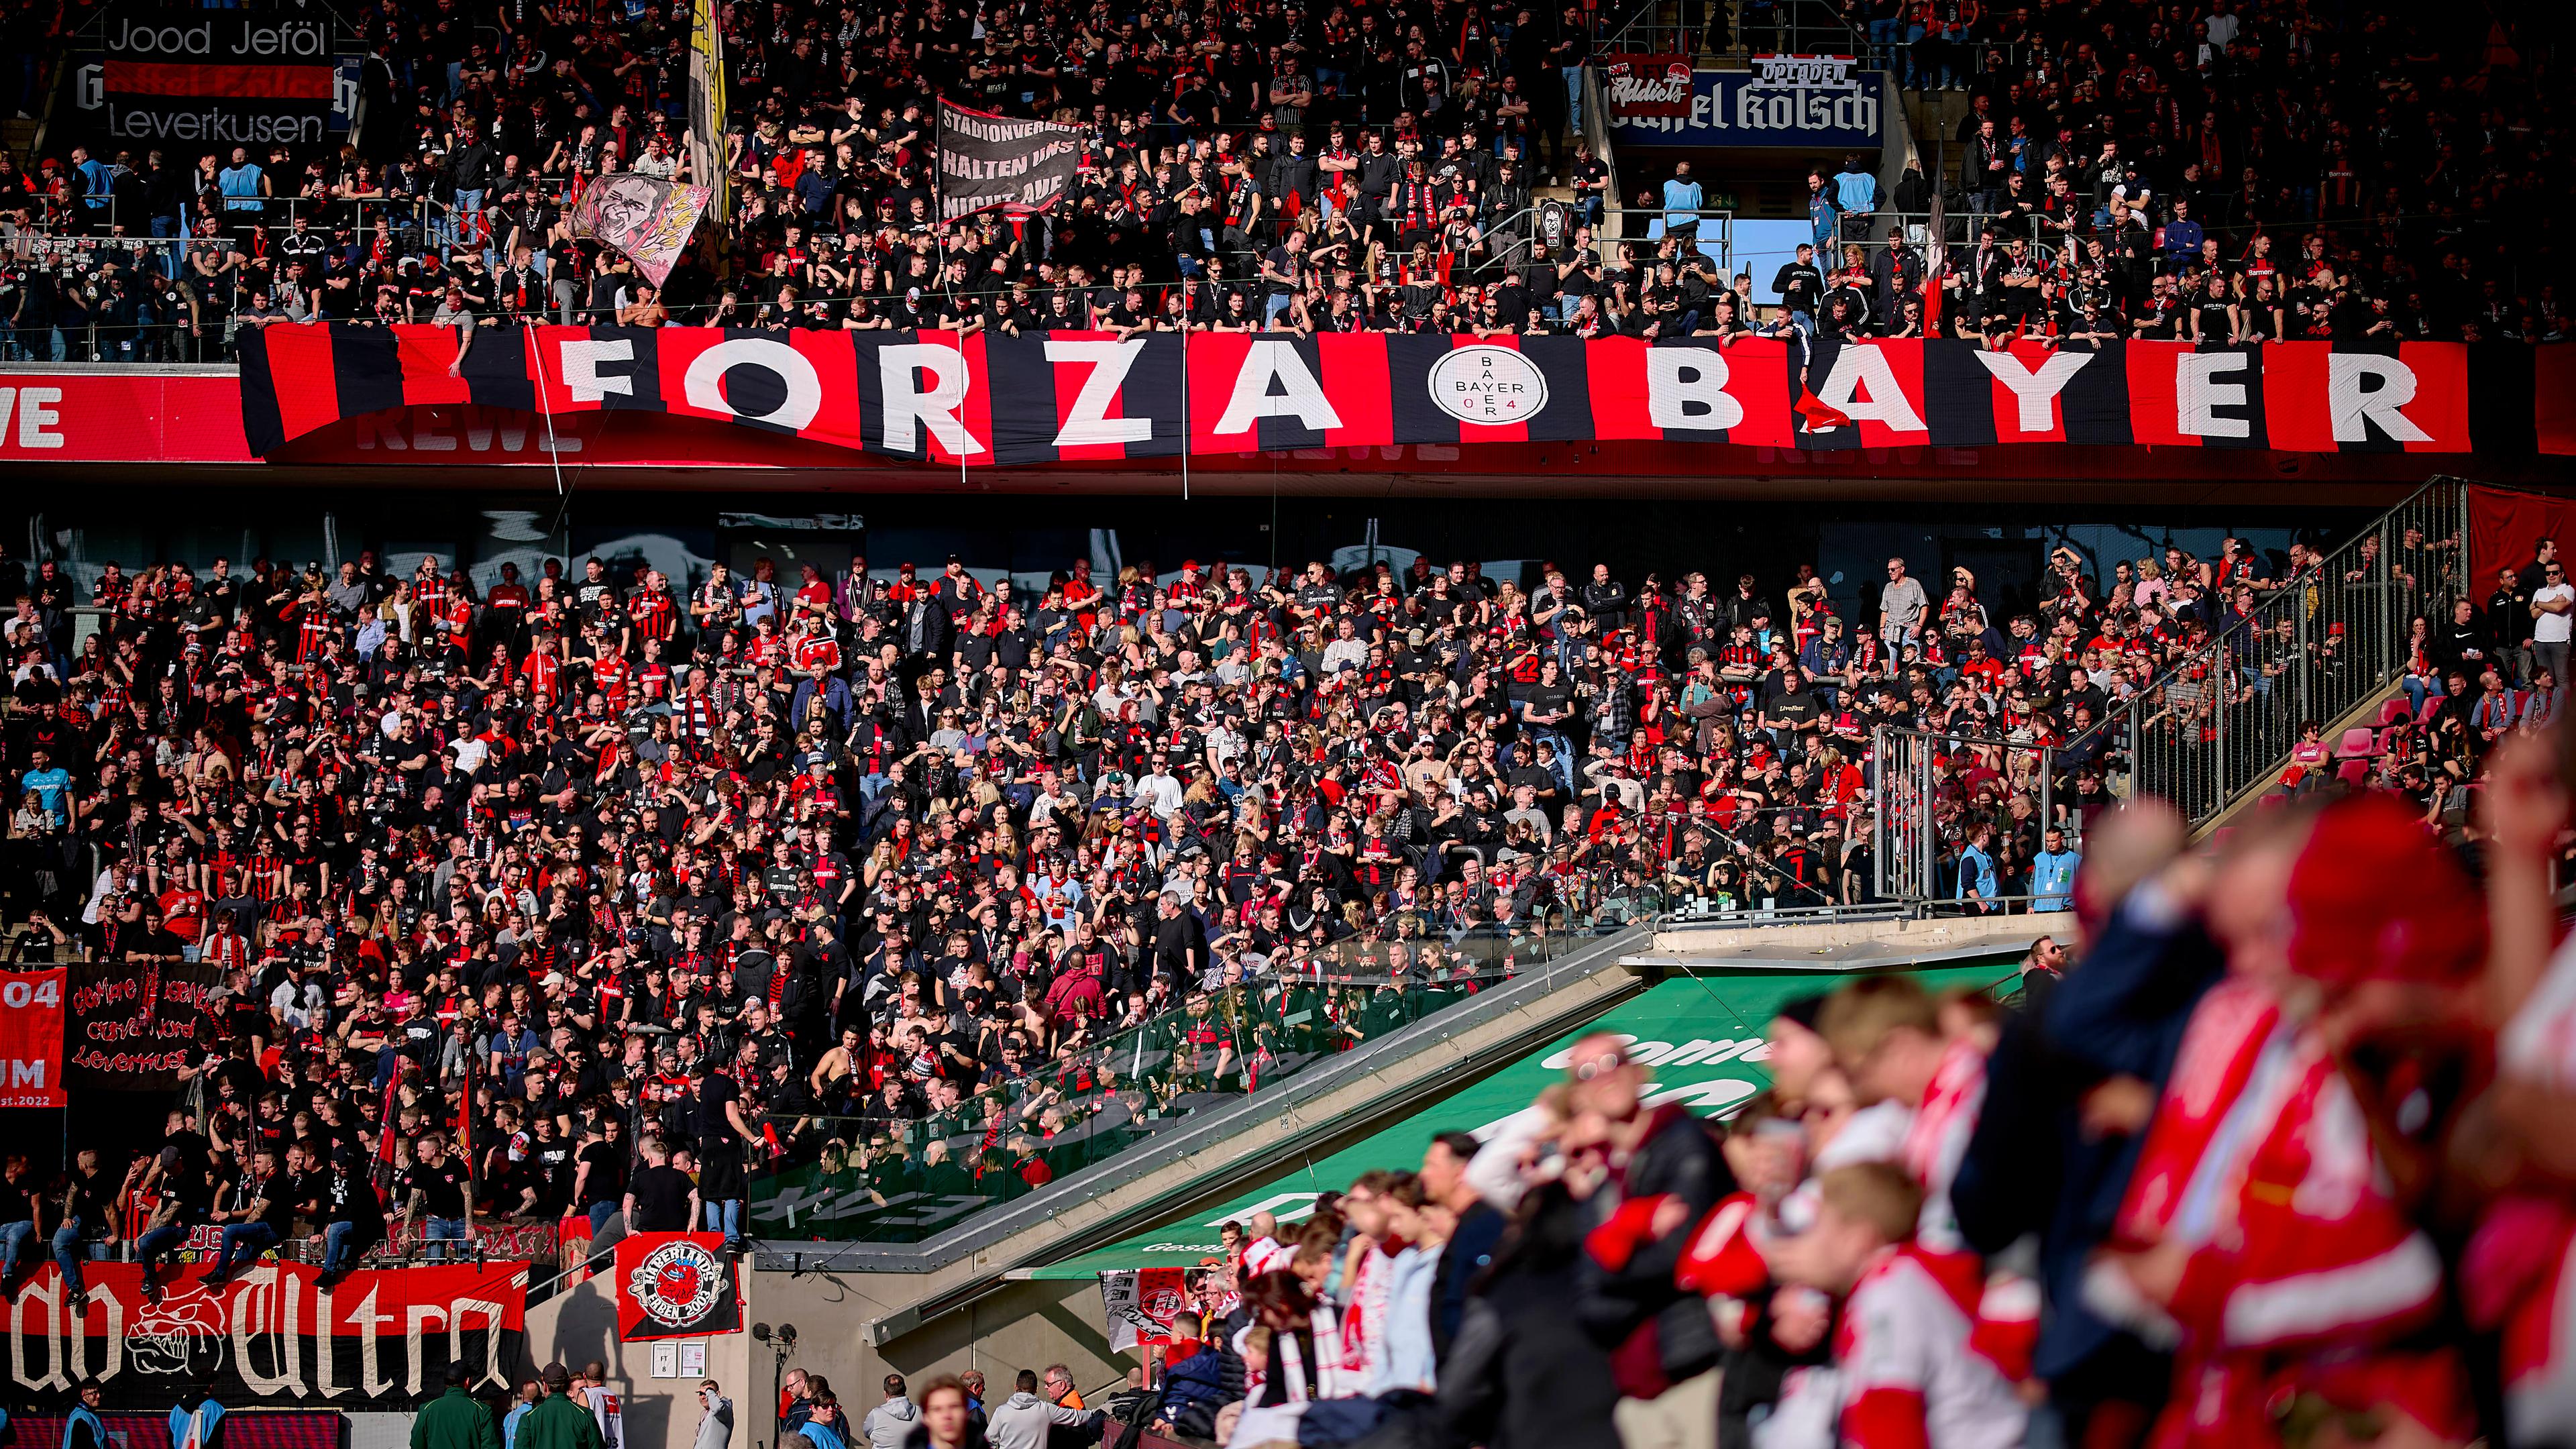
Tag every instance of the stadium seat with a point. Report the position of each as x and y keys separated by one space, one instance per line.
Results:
x=2393 y=711
x=2359 y=743
x=2355 y=773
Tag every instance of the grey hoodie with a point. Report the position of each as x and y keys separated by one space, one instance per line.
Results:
x=889 y=1424
x=1020 y=1421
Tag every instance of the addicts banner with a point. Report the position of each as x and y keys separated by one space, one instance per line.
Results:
x=271 y=1336
x=987 y=399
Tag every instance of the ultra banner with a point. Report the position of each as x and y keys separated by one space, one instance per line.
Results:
x=1040 y=398
x=272 y=1335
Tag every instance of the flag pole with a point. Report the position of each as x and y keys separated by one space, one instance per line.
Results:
x=1185 y=404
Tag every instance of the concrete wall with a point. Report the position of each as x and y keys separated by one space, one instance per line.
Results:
x=1019 y=1325
x=580 y=1326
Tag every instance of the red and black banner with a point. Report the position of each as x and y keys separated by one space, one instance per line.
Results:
x=676 y=1285
x=190 y=75
x=31 y=1038
x=135 y=1024
x=993 y=399
x=272 y=1335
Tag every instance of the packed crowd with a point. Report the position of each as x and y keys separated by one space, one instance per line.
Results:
x=2217 y=173
x=2275 y=1156
x=610 y=895
x=894 y=887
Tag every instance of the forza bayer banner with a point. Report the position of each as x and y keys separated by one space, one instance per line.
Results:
x=271 y=1336
x=988 y=161
x=1701 y=1035
x=676 y=1285
x=985 y=400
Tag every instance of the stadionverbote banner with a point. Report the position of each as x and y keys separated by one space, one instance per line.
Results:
x=271 y=1335
x=988 y=161
x=997 y=399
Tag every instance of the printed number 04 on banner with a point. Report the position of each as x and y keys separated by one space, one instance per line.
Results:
x=31 y=1038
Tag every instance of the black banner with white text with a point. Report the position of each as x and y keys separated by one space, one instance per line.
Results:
x=990 y=161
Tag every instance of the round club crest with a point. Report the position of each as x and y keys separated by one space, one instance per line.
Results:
x=677 y=1283
x=1488 y=386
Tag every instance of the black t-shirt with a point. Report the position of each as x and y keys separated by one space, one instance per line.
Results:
x=1550 y=700
x=442 y=1188
x=1794 y=709
x=597 y=599
x=607 y=1180
x=661 y=1199
x=275 y=1199
x=1175 y=940
x=553 y=1157
x=716 y=1091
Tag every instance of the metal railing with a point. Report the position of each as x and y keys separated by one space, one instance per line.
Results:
x=1929 y=784
x=2221 y=720
x=1755 y=27
x=889 y=1177
x=1888 y=227
x=414 y=217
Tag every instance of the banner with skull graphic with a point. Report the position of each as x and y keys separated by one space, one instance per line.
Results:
x=273 y=1335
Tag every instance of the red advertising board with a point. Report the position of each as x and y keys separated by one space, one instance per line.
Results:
x=121 y=415
x=31 y=1038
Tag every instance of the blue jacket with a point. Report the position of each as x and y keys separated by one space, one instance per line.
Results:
x=1198 y=1379
x=1820 y=216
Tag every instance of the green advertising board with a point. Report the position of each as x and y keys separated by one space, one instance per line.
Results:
x=1702 y=1036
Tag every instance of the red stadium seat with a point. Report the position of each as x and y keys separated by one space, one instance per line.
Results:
x=2359 y=743
x=2393 y=711
x=2355 y=773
